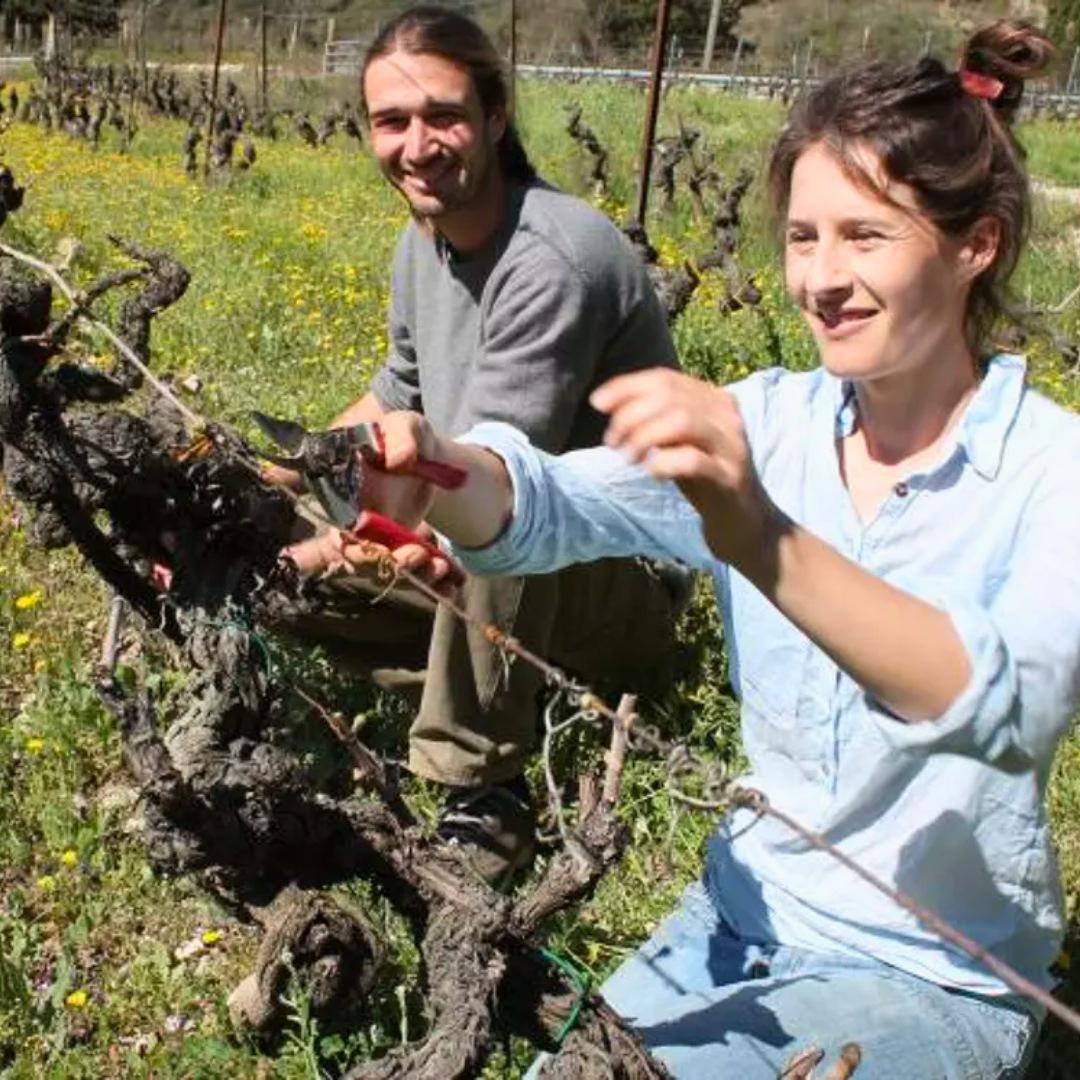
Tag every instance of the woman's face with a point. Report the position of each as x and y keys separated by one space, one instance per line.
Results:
x=883 y=291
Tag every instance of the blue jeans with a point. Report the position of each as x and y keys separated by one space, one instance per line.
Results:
x=711 y=1005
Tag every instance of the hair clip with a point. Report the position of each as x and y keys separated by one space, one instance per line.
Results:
x=981 y=86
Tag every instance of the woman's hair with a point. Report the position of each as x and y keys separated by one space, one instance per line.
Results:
x=952 y=145
x=454 y=37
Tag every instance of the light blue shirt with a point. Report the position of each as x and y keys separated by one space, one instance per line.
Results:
x=950 y=810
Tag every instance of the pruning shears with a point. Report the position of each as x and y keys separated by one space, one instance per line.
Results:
x=332 y=463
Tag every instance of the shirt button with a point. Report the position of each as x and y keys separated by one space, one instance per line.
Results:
x=901 y=489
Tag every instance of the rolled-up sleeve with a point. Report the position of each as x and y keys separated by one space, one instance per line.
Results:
x=581 y=506
x=1023 y=647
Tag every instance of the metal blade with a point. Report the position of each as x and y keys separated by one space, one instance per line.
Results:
x=286 y=461
x=285 y=433
x=339 y=509
x=364 y=437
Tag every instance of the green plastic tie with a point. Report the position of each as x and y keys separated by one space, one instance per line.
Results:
x=252 y=636
x=580 y=979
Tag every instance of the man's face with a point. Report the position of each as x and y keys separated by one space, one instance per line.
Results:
x=429 y=132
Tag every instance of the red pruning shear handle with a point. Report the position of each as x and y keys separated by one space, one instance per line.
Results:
x=380 y=529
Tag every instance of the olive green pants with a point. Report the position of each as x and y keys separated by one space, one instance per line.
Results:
x=478 y=709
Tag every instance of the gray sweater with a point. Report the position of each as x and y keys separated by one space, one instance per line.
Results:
x=524 y=329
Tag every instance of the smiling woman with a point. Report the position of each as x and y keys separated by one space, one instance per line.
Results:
x=944 y=137
x=893 y=540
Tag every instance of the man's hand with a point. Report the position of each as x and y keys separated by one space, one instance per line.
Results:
x=407 y=436
x=333 y=552
x=691 y=432
x=321 y=554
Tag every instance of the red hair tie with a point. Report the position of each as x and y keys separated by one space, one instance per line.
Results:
x=981 y=86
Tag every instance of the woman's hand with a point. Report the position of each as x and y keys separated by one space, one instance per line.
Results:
x=691 y=432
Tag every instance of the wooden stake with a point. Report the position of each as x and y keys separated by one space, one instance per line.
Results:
x=144 y=72
x=214 y=87
x=110 y=646
x=620 y=740
x=1072 y=70
x=262 y=61
x=710 y=35
x=652 y=109
x=513 y=55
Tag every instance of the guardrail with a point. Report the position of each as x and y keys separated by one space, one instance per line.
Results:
x=783 y=84
x=708 y=78
x=9 y=62
x=346 y=57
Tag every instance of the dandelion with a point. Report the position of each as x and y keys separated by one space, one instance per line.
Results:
x=313 y=232
x=20 y=640
x=70 y=858
x=29 y=600
x=46 y=883
x=77 y=999
x=211 y=937
x=35 y=744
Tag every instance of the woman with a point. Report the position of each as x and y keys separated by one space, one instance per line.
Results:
x=895 y=541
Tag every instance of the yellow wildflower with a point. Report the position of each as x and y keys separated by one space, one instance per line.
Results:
x=46 y=883
x=35 y=744
x=29 y=600
x=70 y=858
x=20 y=640
x=211 y=937
x=77 y=999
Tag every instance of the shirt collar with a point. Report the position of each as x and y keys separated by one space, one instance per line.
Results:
x=986 y=422
x=844 y=406
x=990 y=415
x=494 y=246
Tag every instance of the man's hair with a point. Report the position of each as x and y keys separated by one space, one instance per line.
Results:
x=952 y=146
x=454 y=37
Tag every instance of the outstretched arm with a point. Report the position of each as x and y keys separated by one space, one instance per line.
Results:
x=902 y=650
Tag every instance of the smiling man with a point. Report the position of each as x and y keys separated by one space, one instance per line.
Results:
x=509 y=301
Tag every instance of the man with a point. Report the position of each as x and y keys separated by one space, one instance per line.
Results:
x=509 y=301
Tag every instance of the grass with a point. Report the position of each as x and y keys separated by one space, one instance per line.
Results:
x=290 y=269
